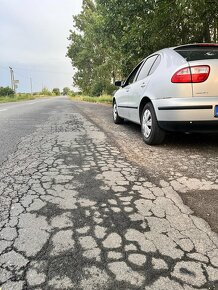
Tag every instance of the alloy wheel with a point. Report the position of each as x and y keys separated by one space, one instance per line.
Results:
x=115 y=111
x=147 y=123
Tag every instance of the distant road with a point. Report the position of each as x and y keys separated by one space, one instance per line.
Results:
x=21 y=118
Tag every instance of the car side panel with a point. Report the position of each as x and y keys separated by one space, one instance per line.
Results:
x=138 y=89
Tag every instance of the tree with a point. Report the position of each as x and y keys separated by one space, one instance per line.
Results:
x=56 y=91
x=110 y=37
x=45 y=92
x=66 y=91
x=6 y=91
x=87 y=53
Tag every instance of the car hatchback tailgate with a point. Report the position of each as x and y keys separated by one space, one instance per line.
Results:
x=208 y=88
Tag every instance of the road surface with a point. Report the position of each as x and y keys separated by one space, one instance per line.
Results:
x=78 y=211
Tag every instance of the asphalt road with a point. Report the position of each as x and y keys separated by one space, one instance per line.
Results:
x=20 y=119
x=84 y=204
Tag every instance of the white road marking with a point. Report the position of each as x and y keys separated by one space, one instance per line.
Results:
x=3 y=110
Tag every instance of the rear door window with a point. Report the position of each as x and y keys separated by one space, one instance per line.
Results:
x=155 y=65
x=198 y=53
x=146 y=67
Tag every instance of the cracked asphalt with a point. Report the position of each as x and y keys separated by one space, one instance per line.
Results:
x=78 y=212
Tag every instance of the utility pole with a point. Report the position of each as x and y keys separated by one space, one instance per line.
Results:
x=12 y=77
x=15 y=86
x=13 y=82
x=31 y=86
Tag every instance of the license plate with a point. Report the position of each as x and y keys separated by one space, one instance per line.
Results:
x=216 y=111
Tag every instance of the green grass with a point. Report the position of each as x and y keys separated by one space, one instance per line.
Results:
x=20 y=97
x=105 y=99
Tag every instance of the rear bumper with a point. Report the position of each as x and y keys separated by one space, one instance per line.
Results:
x=191 y=126
x=196 y=109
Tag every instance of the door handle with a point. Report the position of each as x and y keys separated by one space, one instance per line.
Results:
x=143 y=85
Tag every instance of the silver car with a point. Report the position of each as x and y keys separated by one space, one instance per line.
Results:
x=174 y=89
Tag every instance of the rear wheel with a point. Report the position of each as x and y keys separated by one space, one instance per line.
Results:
x=117 y=119
x=152 y=133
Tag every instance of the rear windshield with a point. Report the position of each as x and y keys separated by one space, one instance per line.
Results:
x=198 y=53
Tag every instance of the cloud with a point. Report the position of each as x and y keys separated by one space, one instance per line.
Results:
x=33 y=37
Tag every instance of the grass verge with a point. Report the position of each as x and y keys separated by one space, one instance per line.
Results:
x=20 y=97
x=105 y=99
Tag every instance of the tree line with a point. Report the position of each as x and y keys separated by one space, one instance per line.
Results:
x=110 y=37
x=8 y=92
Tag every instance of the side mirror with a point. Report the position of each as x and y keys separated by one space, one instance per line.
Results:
x=118 y=83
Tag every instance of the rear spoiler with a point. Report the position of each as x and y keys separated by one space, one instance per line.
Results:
x=196 y=45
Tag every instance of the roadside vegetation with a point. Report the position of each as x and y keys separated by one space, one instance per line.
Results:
x=16 y=98
x=105 y=99
x=8 y=95
x=110 y=37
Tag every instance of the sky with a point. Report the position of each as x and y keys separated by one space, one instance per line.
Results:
x=33 y=41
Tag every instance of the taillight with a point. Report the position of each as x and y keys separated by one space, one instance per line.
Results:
x=200 y=73
x=192 y=74
x=182 y=76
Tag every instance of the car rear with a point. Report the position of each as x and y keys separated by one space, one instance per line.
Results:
x=204 y=61
x=200 y=111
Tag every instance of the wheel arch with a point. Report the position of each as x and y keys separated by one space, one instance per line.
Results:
x=143 y=102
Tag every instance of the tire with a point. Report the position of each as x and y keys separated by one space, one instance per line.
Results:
x=151 y=132
x=117 y=119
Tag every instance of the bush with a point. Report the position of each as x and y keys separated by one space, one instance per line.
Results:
x=66 y=91
x=101 y=99
x=45 y=92
x=102 y=87
x=56 y=91
x=6 y=91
